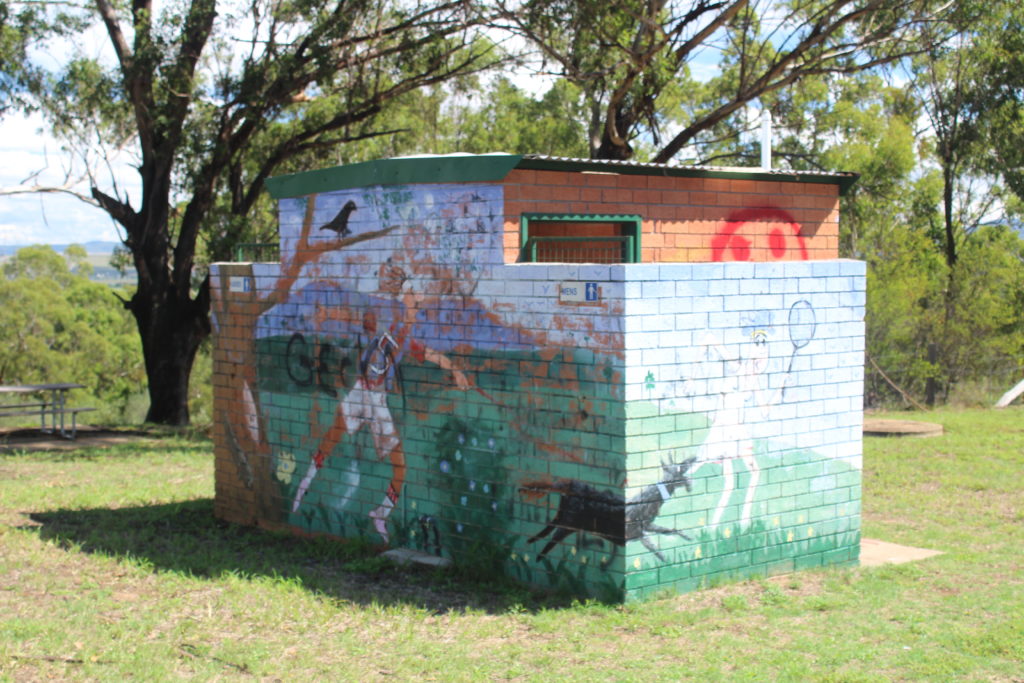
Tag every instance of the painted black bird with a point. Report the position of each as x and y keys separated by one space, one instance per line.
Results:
x=339 y=223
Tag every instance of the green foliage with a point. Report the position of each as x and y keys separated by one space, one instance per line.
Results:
x=632 y=61
x=999 y=97
x=973 y=314
x=512 y=121
x=56 y=325
x=37 y=261
x=21 y=25
x=945 y=270
x=985 y=334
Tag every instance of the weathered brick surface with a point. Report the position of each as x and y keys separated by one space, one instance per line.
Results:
x=690 y=219
x=405 y=380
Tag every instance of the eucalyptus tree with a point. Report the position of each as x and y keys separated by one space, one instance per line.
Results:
x=634 y=59
x=1000 y=97
x=968 y=82
x=211 y=99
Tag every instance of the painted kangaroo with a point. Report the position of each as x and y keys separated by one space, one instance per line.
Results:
x=585 y=509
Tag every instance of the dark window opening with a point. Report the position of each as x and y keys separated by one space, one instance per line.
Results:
x=579 y=238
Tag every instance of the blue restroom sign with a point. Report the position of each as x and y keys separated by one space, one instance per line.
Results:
x=239 y=284
x=579 y=292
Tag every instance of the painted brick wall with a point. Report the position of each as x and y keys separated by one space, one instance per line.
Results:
x=689 y=220
x=394 y=378
x=755 y=371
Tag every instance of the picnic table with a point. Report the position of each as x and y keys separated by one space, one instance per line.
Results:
x=51 y=406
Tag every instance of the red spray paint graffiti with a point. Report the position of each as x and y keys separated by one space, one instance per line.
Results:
x=745 y=230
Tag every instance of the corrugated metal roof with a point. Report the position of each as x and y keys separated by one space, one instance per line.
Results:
x=463 y=168
x=542 y=161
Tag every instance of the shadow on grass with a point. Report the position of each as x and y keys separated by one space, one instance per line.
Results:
x=186 y=538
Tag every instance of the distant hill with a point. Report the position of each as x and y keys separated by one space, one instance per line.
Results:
x=98 y=257
x=93 y=247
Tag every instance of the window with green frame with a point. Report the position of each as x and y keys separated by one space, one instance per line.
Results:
x=579 y=238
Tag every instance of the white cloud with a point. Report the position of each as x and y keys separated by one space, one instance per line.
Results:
x=52 y=219
x=29 y=153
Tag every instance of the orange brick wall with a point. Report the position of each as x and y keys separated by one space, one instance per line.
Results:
x=242 y=462
x=689 y=219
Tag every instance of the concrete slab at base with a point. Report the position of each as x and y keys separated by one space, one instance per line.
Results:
x=874 y=553
x=874 y=427
x=404 y=556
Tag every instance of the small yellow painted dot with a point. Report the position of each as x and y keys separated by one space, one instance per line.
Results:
x=572 y=550
x=800 y=519
x=514 y=556
x=414 y=505
x=583 y=559
x=697 y=553
x=526 y=558
x=775 y=522
x=703 y=521
x=810 y=531
x=636 y=563
x=789 y=537
x=727 y=533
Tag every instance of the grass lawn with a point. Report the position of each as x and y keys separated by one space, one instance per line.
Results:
x=111 y=566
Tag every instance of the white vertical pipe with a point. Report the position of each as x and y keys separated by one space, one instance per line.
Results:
x=766 y=139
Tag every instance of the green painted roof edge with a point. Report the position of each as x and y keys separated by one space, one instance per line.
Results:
x=452 y=168
x=464 y=168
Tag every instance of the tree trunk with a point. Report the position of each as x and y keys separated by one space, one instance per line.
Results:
x=948 y=178
x=950 y=296
x=608 y=148
x=171 y=328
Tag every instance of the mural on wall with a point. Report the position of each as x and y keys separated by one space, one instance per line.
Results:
x=745 y=384
x=391 y=331
x=764 y=402
x=393 y=379
x=745 y=231
x=246 y=438
x=583 y=509
x=401 y=395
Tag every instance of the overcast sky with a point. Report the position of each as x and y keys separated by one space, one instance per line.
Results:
x=42 y=218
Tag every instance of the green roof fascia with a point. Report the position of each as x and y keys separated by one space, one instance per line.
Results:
x=466 y=168
x=454 y=168
x=844 y=180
